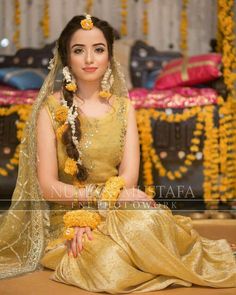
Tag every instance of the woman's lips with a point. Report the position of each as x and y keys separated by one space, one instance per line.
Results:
x=90 y=70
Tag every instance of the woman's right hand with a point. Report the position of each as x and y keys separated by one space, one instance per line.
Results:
x=75 y=246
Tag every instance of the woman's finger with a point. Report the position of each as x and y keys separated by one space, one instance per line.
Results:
x=89 y=232
x=68 y=245
x=79 y=239
x=73 y=243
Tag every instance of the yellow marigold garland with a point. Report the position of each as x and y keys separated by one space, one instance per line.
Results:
x=219 y=35
x=145 y=19
x=17 y=22
x=211 y=158
x=226 y=28
x=124 y=14
x=23 y=112
x=70 y=166
x=227 y=155
x=89 y=6
x=183 y=28
x=149 y=153
x=145 y=133
x=45 y=22
x=218 y=149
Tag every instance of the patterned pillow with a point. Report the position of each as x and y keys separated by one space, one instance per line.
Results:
x=191 y=71
x=23 y=78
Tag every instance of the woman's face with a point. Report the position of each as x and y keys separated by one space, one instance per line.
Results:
x=88 y=55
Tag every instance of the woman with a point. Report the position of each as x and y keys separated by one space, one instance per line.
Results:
x=81 y=144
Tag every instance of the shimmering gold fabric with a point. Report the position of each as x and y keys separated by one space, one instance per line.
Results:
x=133 y=250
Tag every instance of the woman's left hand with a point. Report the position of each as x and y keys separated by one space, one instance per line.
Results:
x=75 y=245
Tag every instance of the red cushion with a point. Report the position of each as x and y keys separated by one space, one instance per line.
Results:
x=191 y=71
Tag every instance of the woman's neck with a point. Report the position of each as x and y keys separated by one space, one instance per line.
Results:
x=88 y=90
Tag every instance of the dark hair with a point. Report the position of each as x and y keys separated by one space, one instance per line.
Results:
x=63 y=49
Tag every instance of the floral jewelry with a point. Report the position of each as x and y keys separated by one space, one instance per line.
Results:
x=83 y=218
x=87 y=23
x=70 y=81
x=67 y=115
x=106 y=84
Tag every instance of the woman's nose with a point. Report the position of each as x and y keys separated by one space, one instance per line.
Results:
x=89 y=57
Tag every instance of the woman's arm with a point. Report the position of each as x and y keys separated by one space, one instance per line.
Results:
x=47 y=168
x=129 y=167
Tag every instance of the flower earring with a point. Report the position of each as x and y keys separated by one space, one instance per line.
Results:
x=106 y=84
x=70 y=81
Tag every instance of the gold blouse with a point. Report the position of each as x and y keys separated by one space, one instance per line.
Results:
x=102 y=142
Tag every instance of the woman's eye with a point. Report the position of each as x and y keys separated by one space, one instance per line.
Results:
x=99 y=50
x=78 y=50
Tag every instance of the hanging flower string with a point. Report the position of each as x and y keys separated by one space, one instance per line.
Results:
x=17 y=22
x=124 y=14
x=145 y=19
x=218 y=160
x=45 y=23
x=183 y=28
x=226 y=27
x=89 y=6
x=228 y=109
x=227 y=154
x=23 y=112
x=211 y=159
x=219 y=35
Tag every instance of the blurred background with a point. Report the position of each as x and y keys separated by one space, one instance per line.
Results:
x=178 y=57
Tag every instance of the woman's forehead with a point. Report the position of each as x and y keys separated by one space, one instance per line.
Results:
x=88 y=37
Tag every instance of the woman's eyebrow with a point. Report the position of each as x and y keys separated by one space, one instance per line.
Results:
x=82 y=45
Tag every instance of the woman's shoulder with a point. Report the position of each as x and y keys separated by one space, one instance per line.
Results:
x=125 y=102
x=54 y=98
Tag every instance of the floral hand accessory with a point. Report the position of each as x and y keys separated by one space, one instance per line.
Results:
x=83 y=218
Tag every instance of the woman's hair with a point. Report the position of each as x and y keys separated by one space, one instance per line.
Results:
x=63 y=49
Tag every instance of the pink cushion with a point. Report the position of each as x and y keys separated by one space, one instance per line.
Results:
x=192 y=71
x=180 y=97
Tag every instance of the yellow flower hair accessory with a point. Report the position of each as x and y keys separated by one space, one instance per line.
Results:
x=104 y=94
x=87 y=23
x=61 y=114
x=70 y=166
x=71 y=87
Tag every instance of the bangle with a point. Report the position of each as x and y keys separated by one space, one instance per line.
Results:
x=112 y=188
x=80 y=218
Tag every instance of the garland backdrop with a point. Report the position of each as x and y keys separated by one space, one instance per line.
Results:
x=33 y=23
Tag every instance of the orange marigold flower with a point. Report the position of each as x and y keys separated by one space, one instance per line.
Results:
x=61 y=114
x=70 y=166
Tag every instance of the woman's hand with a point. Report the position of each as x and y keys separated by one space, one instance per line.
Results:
x=75 y=246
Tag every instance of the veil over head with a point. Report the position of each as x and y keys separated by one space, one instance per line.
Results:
x=24 y=228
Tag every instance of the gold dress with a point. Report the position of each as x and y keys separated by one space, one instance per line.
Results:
x=132 y=250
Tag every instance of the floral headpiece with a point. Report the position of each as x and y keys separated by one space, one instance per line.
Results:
x=87 y=23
